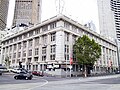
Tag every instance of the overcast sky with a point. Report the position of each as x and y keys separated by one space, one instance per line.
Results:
x=82 y=11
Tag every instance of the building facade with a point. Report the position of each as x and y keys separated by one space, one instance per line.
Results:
x=3 y=13
x=106 y=19
x=48 y=47
x=27 y=12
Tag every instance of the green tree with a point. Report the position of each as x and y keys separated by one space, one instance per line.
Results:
x=86 y=52
x=7 y=62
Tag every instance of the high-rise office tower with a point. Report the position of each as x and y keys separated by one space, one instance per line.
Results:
x=27 y=12
x=115 y=7
x=3 y=13
x=109 y=18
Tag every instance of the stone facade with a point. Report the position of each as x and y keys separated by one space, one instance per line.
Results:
x=48 y=47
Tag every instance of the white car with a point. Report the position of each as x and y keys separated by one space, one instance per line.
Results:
x=16 y=70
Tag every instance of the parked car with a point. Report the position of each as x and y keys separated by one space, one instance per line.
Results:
x=23 y=75
x=117 y=72
x=37 y=73
x=0 y=72
x=18 y=70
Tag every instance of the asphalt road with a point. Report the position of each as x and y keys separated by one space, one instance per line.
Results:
x=7 y=82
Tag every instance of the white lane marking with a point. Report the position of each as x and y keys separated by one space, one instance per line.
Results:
x=46 y=82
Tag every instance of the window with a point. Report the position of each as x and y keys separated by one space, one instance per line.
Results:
x=30 y=52
x=52 y=25
x=24 y=53
x=66 y=49
x=36 y=59
x=52 y=57
x=3 y=50
x=66 y=36
x=45 y=28
x=43 y=57
x=14 y=55
x=37 y=31
x=10 y=56
x=43 y=50
x=24 y=44
x=15 y=39
x=15 y=46
x=23 y=60
x=20 y=37
x=37 y=41
x=73 y=39
x=19 y=46
x=53 y=48
x=67 y=25
x=19 y=54
x=52 y=36
x=36 y=51
x=11 y=41
x=44 y=39
x=66 y=52
x=25 y=35
x=30 y=33
x=10 y=48
x=74 y=28
x=30 y=43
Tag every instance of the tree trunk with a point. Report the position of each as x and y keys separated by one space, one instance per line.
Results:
x=85 y=71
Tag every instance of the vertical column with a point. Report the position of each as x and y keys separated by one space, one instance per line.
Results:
x=40 y=52
x=1 y=57
x=27 y=43
x=48 y=47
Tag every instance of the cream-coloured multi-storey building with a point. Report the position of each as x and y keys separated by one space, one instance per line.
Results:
x=48 y=47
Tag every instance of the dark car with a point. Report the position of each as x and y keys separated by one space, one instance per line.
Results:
x=37 y=73
x=23 y=75
x=0 y=72
x=117 y=72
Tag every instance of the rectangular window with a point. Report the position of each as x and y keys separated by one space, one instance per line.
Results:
x=53 y=37
x=15 y=39
x=24 y=44
x=52 y=25
x=23 y=60
x=45 y=28
x=24 y=53
x=36 y=51
x=43 y=50
x=30 y=33
x=15 y=46
x=25 y=35
x=36 y=59
x=44 y=39
x=19 y=46
x=67 y=25
x=44 y=58
x=30 y=52
x=30 y=43
x=37 y=41
x=52 y=57
x=20 y=37
x=14 y=55
x=10 y=48
x=37 y=31
x=52 y=49
x=66 y=36
x=19 y=54
x=66 y=52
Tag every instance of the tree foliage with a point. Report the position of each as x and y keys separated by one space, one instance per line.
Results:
x=87 y=51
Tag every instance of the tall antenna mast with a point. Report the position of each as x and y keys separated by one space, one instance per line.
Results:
x=59 y=6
